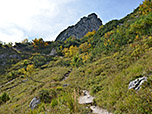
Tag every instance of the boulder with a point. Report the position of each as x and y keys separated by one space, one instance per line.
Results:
x=136 y=84
x=65 y=85
x=35 y=101
x=86 y=98
x=53 y=52
x=98 y=110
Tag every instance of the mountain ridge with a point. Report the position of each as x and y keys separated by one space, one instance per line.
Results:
x=85 y=25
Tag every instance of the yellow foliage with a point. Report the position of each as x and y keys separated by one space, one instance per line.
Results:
x=22 y=70
x=84 y=47
x=25 y=41
x=137 y=37
x=46 y=44
x=115 y=54
x=65 y=52
x=146 y=7
x=38 y=43
x=90 y=39
x=61 y=47
x=101 y=27
x=72 y=51
x=85 y=57
x=108 y=34
x=90 y=33
x=30 y=68
x=116 y=45
x=105 y=43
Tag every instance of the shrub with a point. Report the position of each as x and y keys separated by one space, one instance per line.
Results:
x=12 y=75
x=4 y=97
x=95 y=89
x=54 y=102
x=39 y=43
x=44 y=96
x=90 y=33
x=53 y=93
x=76 y=61
x=39 y=60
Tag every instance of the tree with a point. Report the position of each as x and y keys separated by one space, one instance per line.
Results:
x=84 y=47
x=39 y=43
x=25 y=41
x=71 y=51
x=30 y=69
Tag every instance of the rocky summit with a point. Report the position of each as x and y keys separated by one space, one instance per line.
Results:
x=85 y=25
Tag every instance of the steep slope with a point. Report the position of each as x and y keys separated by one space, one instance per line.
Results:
x=8 y=56
x=85 y=25
x=103 y=63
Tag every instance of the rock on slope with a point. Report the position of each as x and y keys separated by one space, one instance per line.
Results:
x=85 y=25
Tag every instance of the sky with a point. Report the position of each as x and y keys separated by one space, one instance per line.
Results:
x=20 y=19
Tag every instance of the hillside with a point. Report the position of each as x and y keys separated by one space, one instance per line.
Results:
x=111 y=66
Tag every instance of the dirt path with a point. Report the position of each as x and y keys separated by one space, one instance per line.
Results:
x=88 y=99
x=8 y=88
x=11 y=81
x=6 y=83
x=66 y=75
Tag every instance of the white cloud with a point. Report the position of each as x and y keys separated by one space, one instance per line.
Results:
x=20 y=19
x=12 y=35
x=31 y=19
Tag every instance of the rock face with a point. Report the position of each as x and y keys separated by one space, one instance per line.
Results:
x=53 y=52
x=85 y=25
x=35 y=101
x=136 y=84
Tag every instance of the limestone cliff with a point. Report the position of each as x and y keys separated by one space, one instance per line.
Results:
x=85 y=25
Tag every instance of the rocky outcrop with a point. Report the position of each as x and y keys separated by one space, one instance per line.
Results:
x=53 y=52
x=86 y=98
x=136 y=84
x=98 y=110
x=85 y=25
x=35 y=101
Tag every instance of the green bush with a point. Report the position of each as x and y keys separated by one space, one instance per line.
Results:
x=76 y=61
x=12 y=75
x=54 y=102
x=53 y=93
x=39 y=60
x=95 y=89
x=45 y=96
x=4 y=97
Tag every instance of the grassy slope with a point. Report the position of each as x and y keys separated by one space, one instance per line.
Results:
x=106 y=77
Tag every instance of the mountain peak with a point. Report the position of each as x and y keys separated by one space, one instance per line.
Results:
x=92 y=15
x=85 y=25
